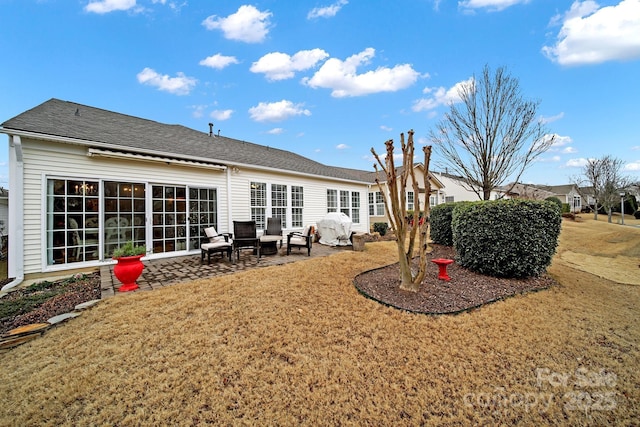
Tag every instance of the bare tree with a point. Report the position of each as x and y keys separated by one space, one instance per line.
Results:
x=605 y=180
x=492 y=135
x=398 y=220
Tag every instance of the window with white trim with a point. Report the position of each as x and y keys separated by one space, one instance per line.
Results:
x=332 y=200
x=297 y=204
x=410 y=200
x=124 y=214
x=376 y=204
x=203 y=212
x=355 y=207
x=348 y=203
x=259 y=203
x=345 y=206
x=279 y=202
x=72 y=228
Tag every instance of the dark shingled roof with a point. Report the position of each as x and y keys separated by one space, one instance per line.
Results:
x=107 y=129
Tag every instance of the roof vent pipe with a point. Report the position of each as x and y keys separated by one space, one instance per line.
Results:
x=218 y=132
x=210 y=129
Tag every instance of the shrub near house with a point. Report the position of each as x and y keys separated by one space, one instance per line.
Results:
x=506 y=238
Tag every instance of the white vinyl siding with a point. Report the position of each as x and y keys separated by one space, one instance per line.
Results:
x=43 y=161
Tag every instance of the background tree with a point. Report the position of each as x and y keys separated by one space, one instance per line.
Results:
x=492 y=135
x=398 y=220
x=603 y=177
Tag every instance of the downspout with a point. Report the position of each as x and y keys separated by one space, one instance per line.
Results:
x=229 y=207
x=16 y=213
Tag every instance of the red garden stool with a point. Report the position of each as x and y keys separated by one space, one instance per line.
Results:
x=442 y=264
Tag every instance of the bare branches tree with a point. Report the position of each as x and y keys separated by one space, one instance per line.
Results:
x=399 y=222
x=606 y=182
x=492 y=135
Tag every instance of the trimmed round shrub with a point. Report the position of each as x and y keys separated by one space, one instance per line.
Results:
x=380 y=227
x=440 y=224
x=555 y=200
x=506 y=238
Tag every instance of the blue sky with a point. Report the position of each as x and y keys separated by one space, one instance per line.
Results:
x=329 y=79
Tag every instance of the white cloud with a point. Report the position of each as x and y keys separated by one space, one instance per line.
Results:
x=179 y=85
x=440 y=96
x=342 y=78
x=559 y=141
x=552 y=119
x=552 y=159
x=636 y=147
x=569 y=150
x=577 y=163
x=218 y=61
x=275 y=131
x=386 y=128
x=327 y=11
x=280 y=66
x=632 y=167
x=248 y=24
x=106 y=6
x=221 y=115
x=491 y=5
x=342 y=146
x=277 y=111
x=590 y=35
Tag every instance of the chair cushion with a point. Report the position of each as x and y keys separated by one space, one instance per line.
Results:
x=305 y=230
x=212 y=234
x=215 y=245
x=300 y=241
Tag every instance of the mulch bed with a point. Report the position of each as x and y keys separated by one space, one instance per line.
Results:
x=466 y=290
x=65 y=295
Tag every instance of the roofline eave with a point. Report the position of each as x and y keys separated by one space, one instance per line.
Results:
x=84 y=142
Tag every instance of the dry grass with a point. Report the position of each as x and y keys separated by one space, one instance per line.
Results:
x=296 y=344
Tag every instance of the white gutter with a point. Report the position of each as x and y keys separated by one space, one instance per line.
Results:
x=16 y=212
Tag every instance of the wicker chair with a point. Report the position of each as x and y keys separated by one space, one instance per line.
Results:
x=245 y=236
x=212 y=242
x=300 y=240
x=272 y=235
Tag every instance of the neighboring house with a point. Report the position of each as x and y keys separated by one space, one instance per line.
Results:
x=455 y=189
x=84 y=180
x=523 y=191
x=568 y=194
x=377 y=211
x=588 y=198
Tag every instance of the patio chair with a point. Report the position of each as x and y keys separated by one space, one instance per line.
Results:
x=300 y=240
x=272 y=235
x=212 y=242
x=245 y=236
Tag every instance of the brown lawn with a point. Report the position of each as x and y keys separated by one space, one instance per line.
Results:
x=297 y=345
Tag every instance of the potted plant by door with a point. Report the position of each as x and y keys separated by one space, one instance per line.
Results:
x=128 y=267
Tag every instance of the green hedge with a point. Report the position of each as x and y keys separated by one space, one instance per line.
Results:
x=506 y=238
x=380 y=227
x=440 y=224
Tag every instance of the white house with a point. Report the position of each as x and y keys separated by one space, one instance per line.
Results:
x=83 y=180
x=455 y=189
x=377 y=212
x=568 y=194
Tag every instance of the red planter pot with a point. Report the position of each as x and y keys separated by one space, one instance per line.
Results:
x=127 y=270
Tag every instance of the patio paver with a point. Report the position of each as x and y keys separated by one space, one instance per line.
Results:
x=167 y=271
